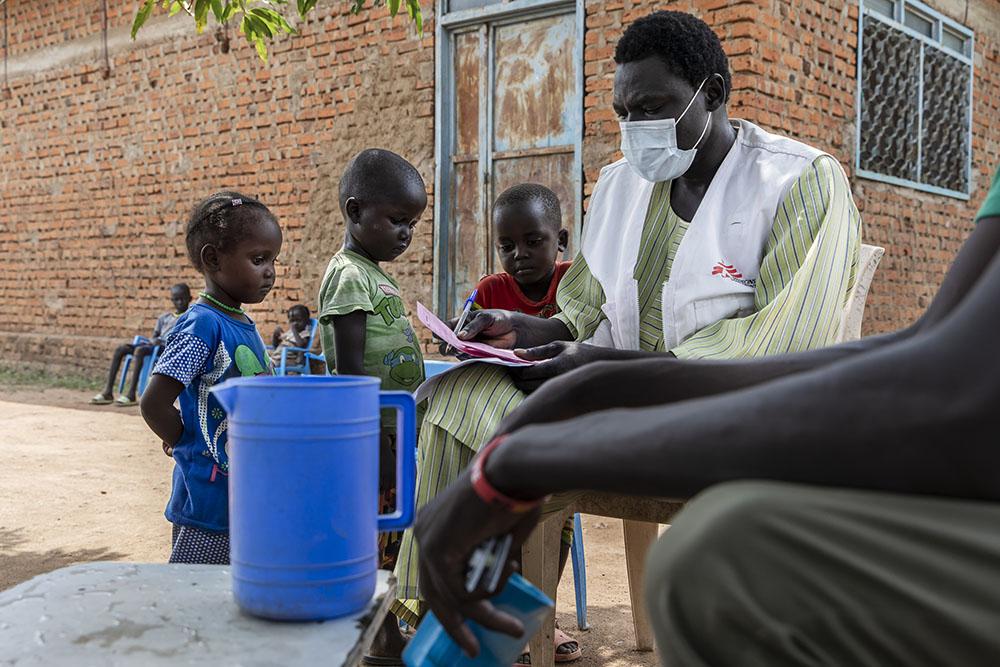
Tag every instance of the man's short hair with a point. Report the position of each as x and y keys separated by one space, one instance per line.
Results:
x=682 y=41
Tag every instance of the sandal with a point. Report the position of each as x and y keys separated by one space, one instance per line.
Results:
x=100 y=399
x=125 y=402
x=561 y=640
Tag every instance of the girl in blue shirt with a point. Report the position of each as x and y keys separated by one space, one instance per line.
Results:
x=233 y=241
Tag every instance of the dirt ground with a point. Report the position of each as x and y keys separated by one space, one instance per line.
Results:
x=79 y=484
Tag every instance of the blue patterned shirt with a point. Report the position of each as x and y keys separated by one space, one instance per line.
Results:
x=204 y=348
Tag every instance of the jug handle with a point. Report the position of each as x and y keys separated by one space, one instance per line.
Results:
x=406 y=459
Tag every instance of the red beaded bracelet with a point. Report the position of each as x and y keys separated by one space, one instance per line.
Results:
x=489 y=493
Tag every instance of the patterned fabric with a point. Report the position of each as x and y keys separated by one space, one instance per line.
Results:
x=204 y=348
x=806 y=275
x=657 y=250
x=197 y=546
x=184 y=359
x=392 y=352
x=808 y=271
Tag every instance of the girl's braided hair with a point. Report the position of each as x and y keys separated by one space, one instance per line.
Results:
x=222 y=220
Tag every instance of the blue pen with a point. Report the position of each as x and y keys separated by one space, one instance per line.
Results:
x=465 y=311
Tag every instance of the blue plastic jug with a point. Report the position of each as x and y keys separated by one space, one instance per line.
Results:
x=303 y=491
x=432 y=647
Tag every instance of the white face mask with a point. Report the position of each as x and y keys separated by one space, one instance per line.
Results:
x=650 y=146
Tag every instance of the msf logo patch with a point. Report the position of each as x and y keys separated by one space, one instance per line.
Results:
x=729 y=272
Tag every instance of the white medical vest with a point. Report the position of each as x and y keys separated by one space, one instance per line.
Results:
x=718 y=261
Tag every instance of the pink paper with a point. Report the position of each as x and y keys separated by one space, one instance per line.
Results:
x=479 y=350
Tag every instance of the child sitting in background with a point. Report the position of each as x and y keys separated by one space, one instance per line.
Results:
x=364 y=326
x=297 y=336
x=529 y=237
x=180 y=297
x=233 y=241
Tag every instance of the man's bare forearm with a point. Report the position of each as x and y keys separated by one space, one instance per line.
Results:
x=534 y=331
x=656 y=379
x=918 y=416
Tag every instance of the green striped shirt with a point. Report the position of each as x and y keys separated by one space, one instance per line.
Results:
x=805 y=278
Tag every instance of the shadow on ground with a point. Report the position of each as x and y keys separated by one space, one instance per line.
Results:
x=605 y=643
x=18 y=564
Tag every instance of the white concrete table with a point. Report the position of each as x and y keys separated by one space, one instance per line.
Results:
x=146 y=614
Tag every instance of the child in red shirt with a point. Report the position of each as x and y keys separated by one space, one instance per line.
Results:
x=529 y=236
x=528 y=232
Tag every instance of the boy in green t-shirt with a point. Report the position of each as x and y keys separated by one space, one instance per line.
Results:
x=364 y=326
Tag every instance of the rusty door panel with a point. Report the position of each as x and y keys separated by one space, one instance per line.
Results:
x=470 y=54
x=514 y=116
x=534 y=87
x=471 y=239
x=554 y=171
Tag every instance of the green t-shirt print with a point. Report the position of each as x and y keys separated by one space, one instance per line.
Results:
x=392 y=351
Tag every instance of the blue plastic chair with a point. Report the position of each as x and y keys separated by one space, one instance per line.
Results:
x=147 y=366
x=305 y=368
x=579 y=574
x=433 y=367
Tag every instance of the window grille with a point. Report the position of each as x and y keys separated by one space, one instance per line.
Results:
x=914 y=120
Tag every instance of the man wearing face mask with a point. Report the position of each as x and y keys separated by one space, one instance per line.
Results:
x=711 y=239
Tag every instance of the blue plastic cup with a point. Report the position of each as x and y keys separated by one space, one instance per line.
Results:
x=303 y=491
x=433 y=647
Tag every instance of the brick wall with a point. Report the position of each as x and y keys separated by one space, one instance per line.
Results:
x=794 y=72
x=98 y=174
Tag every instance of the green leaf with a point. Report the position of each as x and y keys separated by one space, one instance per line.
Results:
x=228 y=12
x=200 y=15
x=261 y=49
x=217 y=9
x=141 y=16
x=413 y=9
x=357 y=6
x=306 y=6
x=245 y=28
x=393 y=7
x=260 y=26
x=175 y=7
x=274 y=19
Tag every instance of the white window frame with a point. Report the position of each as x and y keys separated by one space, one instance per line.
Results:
x=940 y=22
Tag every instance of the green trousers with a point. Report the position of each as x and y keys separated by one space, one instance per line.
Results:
x=759 y=573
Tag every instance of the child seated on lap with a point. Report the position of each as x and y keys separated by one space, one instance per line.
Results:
x=364 y=326
x=297 y=336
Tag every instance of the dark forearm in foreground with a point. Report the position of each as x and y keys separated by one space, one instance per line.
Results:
x=916 y=416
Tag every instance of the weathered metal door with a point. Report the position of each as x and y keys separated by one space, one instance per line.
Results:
x=510 y=111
